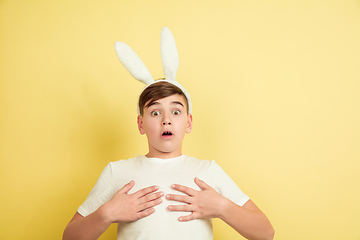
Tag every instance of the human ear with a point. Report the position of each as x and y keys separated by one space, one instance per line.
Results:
x=189 y=125
x=140 y=125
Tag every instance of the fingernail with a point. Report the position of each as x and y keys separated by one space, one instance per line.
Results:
x=156 y=187
x=173 y=186
x=161 y=194
x=168 y=196
x=169 y=207
x=180 y=219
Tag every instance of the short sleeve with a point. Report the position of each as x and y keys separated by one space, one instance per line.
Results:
x=226 y=186
x=102 y=192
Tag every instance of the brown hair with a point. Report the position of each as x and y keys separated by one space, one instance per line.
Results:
x=158 y=91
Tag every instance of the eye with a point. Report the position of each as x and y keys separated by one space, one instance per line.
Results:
x=176 y=112
x=155 y=113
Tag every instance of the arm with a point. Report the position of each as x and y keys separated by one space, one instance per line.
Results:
x=247 y=220
x=122 y=207
x=89 y=227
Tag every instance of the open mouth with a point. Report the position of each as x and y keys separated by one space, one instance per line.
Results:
x=167 y=133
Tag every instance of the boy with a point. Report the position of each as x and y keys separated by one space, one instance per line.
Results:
x=160 y=195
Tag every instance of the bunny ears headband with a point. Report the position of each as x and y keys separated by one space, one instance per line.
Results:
x=169 y=58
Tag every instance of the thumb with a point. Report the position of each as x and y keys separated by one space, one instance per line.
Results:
x=127 y=187
x=202 y=184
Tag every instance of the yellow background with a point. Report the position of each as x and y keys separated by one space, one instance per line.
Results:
x=276 y=100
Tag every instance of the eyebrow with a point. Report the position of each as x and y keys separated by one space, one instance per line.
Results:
x=179 y=103
x=157 y=103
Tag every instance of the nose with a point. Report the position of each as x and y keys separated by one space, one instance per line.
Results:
x=166 y=120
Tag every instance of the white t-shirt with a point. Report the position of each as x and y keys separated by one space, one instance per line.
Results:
x=162 y=224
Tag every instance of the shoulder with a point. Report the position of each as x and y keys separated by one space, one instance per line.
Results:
x=210 y=166
x=129 y=161
x=200 y=163
x=125 y=164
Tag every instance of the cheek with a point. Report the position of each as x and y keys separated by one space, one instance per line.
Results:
x=150 y=126
x=182 y=123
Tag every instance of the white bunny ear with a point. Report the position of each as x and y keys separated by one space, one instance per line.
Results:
x=133 y=63
x=169 y=54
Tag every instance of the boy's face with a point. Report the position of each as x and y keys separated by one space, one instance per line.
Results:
x=165 y=123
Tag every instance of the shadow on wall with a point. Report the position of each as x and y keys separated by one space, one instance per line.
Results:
x=52 y=212
x=101 y=135
x=95 y=134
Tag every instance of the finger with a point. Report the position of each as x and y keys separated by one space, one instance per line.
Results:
x=187 y=190
x=150 y=197
x=181 y=208
x=190 y=217
x=179 y=198
x=151 y=204
x=202 y=184
x=145 y=191
x=145 y=213
x=126 y=188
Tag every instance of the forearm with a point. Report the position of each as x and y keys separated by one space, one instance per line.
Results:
x=252 y=224
x=90 y=227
